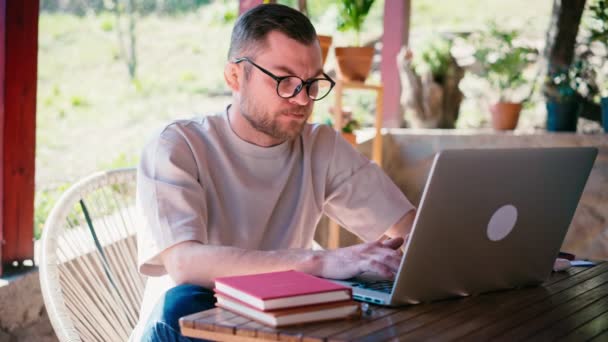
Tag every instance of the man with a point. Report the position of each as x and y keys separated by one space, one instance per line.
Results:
x=242 y=192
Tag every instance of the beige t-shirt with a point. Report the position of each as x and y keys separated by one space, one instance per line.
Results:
x=199 y=181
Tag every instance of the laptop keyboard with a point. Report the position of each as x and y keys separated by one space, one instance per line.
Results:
x=385 y=286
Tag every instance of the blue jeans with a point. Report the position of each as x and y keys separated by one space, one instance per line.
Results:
x=182 y=300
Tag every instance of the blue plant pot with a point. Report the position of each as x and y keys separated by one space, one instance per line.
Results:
x=605 y=113
x=562 y=116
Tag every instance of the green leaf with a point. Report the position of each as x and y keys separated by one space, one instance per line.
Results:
x=353 y=14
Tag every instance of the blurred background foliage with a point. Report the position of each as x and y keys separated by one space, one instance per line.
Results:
x=94 y=114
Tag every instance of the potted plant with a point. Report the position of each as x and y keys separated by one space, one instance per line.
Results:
x=430 y=79
x=348 y=131
x=349 y=125
x=598 y=29
x=562 y=101
x=354 y=62
x=502 y=62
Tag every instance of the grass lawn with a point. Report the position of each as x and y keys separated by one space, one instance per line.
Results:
x=91 y=116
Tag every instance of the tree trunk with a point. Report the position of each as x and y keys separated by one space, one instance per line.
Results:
x=132 y=58
x=561 y=42
x=432 y=104
x=126 y=45
x=562 y=32
x=302 y=7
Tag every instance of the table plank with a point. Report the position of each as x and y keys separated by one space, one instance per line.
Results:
x=547 y=318
x=216 y=336
x=554 y=295
x=490 y=304
x=210 y=322
x=508 y=303
x=431 y=329
x=309 y=330
x=589 y=330
x=554 y=314
x=322 y=332
x=417 y=321
x=603 y=337
x=188 y=321
x=384 y=325
x=482 y=304
x=252 y=328
x=249 y=329
x=230 y=325
x=265 y=332
x=464 y=308
x=568 y=324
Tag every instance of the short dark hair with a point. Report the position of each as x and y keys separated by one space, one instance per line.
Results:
x=251 y=28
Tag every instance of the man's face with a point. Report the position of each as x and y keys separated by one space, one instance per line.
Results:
x=260 y=104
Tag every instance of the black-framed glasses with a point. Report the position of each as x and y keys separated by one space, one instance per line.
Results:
x=290 y=86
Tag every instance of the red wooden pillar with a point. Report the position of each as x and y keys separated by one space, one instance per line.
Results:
x=18 y=65
x=396 y=34
x=2 y=59
x=245 y=5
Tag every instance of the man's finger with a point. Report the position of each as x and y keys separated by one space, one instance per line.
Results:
x=393 y=243
x=379 y=268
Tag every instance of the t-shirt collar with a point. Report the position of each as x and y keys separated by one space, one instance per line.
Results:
x=251 y=149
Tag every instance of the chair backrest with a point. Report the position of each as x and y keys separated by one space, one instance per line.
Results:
x=88 y=260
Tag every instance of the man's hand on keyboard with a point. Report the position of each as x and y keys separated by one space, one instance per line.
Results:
x=381 y=257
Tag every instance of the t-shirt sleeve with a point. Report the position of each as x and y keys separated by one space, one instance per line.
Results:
x=170 y=200
x=359 y=195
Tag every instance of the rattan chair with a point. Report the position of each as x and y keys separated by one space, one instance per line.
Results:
x=88 y=260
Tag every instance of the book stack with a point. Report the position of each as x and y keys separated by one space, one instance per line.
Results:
x=284 y=298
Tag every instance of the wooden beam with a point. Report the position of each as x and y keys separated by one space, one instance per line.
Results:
x=245 y=5
x=396 y=35
x=19 y=133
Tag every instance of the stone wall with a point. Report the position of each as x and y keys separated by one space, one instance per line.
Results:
x=22 y=313
x=408 y=155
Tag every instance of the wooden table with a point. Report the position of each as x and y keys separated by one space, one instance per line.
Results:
x=572 y=305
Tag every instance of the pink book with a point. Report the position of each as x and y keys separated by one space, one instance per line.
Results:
x=285 y=289
x=289 y=316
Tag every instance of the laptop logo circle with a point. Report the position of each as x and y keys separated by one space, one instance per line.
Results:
x=502 y=222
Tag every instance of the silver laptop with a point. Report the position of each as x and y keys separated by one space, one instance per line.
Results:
x=488 y=219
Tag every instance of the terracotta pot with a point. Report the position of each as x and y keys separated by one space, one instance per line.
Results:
x=354 y=63
x=325 y=42
x=505 y=115
x=350 y=137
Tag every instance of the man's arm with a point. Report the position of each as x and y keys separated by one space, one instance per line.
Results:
x=403 y=227
x=195 y=263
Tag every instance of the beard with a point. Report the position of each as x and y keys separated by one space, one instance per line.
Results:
x=269 y=124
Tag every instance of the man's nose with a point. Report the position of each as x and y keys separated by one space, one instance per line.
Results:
x=301 y=98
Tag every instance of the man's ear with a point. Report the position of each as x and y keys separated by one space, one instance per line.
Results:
x=232 y=76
